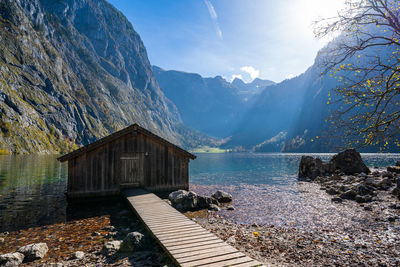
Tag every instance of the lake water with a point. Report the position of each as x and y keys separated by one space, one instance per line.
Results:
x=32 y=188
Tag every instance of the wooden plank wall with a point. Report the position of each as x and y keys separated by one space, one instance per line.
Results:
x=98 y=172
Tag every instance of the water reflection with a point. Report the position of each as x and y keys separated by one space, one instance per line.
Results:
x=31 y=191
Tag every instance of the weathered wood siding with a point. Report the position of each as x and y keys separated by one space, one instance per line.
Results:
x=100 y=171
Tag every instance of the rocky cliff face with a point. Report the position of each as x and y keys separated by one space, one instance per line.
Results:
x=211 y=105
x=72 y=71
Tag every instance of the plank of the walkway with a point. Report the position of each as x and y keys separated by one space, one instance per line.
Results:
x=198 y=244
x=179 y=251
x=191 y=253
x=185 y=237
x=185 y=241
x=231 y=262
x=213 y=254
x=215 y=259
x=191 y=231
x=173 y=243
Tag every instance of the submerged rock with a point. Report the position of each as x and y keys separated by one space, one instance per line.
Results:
x=11 y=259
x=33 y=251
x=132 y=241
x=111 y=247
x=349 y=162
x=222 y=197
x=78 y=255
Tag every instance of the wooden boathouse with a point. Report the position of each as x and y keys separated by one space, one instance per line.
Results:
x=132 y=157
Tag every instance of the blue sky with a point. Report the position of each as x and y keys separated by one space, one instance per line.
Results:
x=268 y=39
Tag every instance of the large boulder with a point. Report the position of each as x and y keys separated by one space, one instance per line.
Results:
x=111 y=247
x=349 y=162
x=33 y=251
x=204 y=202
x=183 y=200
x=394 y=169
x=313 y=167
x=11 y=259
x=132 y=241
x=222 y=197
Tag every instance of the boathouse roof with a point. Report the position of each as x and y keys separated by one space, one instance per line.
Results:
x=128 y=130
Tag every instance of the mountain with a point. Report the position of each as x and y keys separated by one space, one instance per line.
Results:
x=248 y=90
x=72 y=71
x=213 y=106
x=210 y=105
x=271 y=114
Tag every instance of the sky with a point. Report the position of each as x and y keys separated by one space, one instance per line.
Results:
x=249 y=39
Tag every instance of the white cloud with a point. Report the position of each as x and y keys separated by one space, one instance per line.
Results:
x=211 y=10
x=251 y=71
x=214 y=17
x=234 y=76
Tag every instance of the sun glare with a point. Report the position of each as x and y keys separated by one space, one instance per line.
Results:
x=305 y=12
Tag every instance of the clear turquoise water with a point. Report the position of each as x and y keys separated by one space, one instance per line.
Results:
x=32 y=188
x=268 y=168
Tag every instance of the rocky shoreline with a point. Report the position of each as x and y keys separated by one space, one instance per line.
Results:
x=96 y=234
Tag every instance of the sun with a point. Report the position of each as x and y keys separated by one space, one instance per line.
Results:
x=308 y=11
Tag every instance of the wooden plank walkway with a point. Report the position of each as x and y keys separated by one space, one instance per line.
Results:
x=185 y=241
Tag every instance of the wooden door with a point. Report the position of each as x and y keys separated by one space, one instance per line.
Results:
x=132 y=172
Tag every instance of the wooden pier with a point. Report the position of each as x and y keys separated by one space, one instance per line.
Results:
x=187 y=243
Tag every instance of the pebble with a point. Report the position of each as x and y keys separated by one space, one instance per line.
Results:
x=78 y=255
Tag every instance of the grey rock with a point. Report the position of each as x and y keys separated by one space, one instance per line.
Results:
x=368 y=208
x=177 y=197
x=363 y=199
x=349 y=162
x=214 y=207
x=204 y=202
x=397 y=181
x=58 y=264
x=364 y=190
x=222 y=197
x=396 y=191
x=34 y=251
x=372 y=181
x=11 y=259
x=385 y=184
x=311 y=168
x=395 y=169
x=1 y=240
x=132 y=241
x=349 y=194
x=332 y=191
x=337 y=200
x=184 y=200
x=231 y=240
x=78 y=255
x=111 y=247
x=230 y=208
